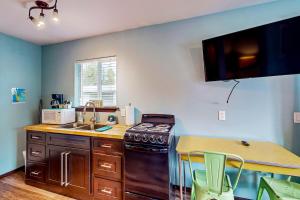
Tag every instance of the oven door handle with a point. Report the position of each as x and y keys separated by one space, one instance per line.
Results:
x=144 y=149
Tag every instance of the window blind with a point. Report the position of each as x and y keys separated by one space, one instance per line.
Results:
x=96 y=79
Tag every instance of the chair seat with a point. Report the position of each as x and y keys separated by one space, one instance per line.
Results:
x=201 y=188
x=283 y=189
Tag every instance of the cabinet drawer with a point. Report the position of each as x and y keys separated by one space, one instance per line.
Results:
x=36 y=152
x=36 y=137
x=107 y=166
x=106 y=189
x=107 y=146
x=36 y=172
x=72 y=141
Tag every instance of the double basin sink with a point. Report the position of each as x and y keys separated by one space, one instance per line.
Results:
x=78 y=126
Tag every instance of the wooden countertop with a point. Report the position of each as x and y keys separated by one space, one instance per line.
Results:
x=117 y=132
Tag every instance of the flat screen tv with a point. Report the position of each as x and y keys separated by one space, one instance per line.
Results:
x=268 y=50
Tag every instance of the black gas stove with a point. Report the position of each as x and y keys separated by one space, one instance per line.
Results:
x=149 y=147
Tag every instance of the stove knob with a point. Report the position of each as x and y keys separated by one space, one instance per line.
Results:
x=152 y=139
x=160 y=140
x=137 y=137
x=145 y=138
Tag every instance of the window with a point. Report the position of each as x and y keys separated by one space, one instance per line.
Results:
x=96 y=79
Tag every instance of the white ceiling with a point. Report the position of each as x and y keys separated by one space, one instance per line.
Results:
x=84 y=18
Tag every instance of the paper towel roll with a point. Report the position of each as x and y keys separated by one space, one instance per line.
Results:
x=129 y=119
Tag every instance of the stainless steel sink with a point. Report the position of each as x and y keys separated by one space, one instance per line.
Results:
x=79 y=126
x=73 y=125
x=90 y=127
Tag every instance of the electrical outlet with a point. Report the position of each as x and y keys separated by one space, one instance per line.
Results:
x=123 y=112
x=296 y=117
x=222 y=115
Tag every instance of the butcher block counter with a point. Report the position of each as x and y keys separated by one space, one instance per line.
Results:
x=117 y=132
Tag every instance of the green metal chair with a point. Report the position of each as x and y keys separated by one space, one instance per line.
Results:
x=213 y=183
x=278 y=189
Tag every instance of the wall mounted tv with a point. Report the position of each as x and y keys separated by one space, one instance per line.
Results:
x=268 y=50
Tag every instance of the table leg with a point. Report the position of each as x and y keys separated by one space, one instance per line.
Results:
x=180 y=179
x=184 y=179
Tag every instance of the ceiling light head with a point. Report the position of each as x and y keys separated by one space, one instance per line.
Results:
x=55 y=17
x=39 y=24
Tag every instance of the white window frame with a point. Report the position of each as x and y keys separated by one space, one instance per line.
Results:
x=78 y=78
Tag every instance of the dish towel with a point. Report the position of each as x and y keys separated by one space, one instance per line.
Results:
x=104 y=128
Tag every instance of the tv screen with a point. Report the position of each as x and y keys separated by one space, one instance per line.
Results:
x=268 y=50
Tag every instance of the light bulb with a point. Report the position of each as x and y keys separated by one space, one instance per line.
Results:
x=55 y=17
x=40 y=23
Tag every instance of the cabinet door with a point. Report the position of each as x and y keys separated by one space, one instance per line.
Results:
x=55 y=155
x=78 y=170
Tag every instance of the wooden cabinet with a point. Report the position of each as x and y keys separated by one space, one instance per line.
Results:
x=76 y=166
x=36 y=152
x=77 y=174
x=36 y=157
x=107 y=189
x=108 y=169
x=108 y=146
x=36 y=172
x=108 y=166
x=61 y=162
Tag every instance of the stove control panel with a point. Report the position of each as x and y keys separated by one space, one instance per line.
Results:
x=146 y=138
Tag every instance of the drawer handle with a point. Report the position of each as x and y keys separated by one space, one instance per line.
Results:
x=107 y=190
x=35 y=153
x=108 y=146
x=106 y=165
x=35 y=137
x=35 y=173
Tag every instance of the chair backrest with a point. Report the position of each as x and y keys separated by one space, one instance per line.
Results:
x=215 y=163
x=215 y=171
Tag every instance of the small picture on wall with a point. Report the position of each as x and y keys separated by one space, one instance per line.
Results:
x=18 y=95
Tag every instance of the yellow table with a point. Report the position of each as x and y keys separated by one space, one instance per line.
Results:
x=259 y=156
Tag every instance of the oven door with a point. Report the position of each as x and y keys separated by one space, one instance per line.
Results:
x=147 y=171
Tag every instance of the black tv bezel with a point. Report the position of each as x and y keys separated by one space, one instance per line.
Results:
x=244 y=30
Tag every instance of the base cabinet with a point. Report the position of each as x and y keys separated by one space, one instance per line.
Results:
x=80 y=167
x=60 y=163
x=69 y=168
x=108 y=169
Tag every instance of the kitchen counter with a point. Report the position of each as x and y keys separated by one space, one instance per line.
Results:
x=117 y=132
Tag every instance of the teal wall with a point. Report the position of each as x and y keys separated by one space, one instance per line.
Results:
x=20 y=66
x=160 y=70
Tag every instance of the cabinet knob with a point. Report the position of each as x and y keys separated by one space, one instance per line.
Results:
x=106 y=165
x=106 y=146
x=35 y=173
x=107 y=190
x=35 y=153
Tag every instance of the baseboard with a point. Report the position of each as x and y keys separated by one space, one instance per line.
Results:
x=22 y=168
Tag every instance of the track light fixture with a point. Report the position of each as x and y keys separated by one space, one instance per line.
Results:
x=39 y=22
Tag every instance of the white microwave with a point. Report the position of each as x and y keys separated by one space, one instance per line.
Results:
x=58 y=116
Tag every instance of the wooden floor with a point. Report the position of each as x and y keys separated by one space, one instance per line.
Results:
x=13 y=187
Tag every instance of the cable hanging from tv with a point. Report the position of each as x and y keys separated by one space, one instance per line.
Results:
x=232 y=89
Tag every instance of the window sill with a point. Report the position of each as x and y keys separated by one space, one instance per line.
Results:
x=102 y=109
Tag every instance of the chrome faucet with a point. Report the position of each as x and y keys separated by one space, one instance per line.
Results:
x=93 y=119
